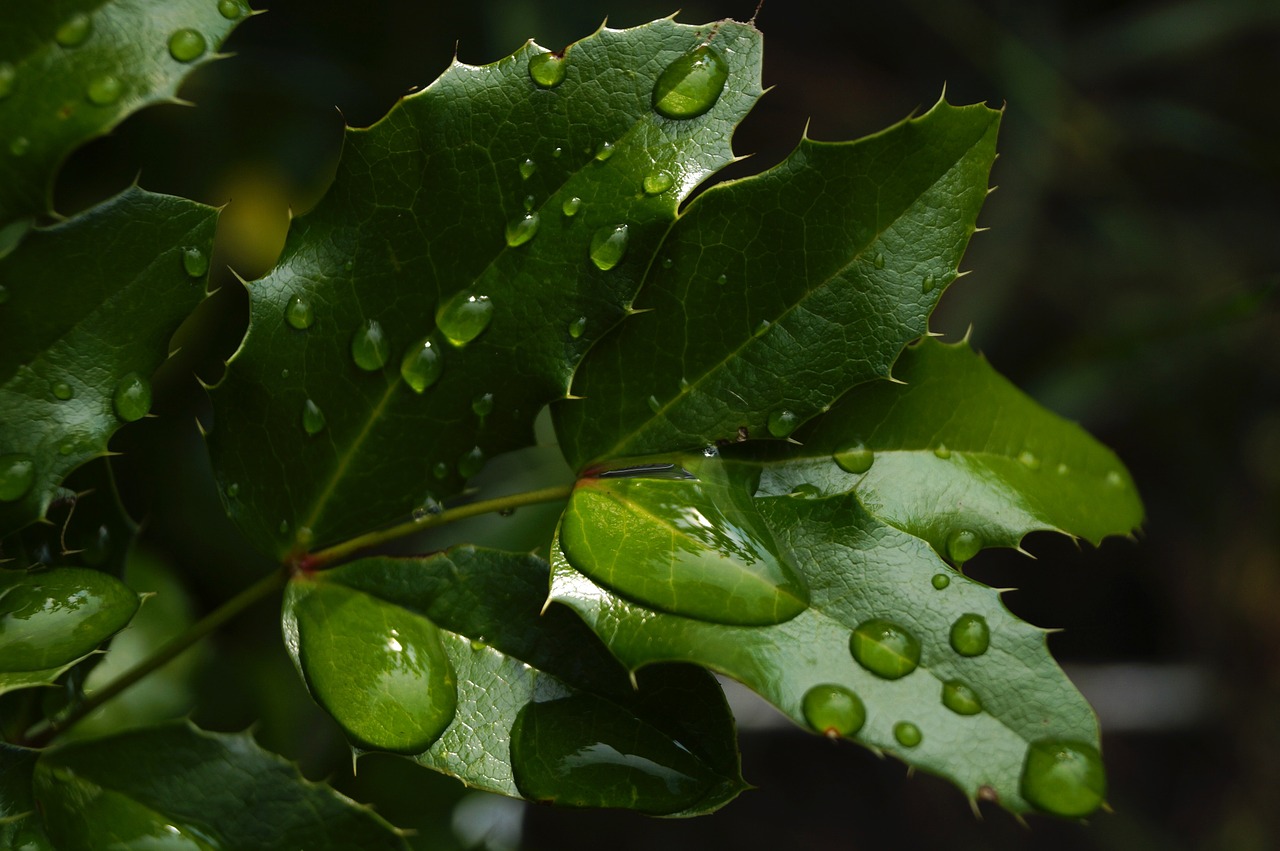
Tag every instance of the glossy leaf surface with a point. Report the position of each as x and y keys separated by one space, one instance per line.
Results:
x=73 y=70
x=77 y=353
x=499 y=216
x=533 y=697
x=773 y=295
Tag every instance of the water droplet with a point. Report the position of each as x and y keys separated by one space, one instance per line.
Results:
x=834 y=710
x=304 y=536
x=132 y=397
x=884 y=648
x=17 y=475
x=464 y=317
x=62 y=391
x=608 y=245
x=604 y=151
x=522 y=229
x=667 y=262
x=370 y=346
x=421 y=365
x=928 y=283
x=284 y=373
x=440 y=470
x=547 y=69
x=960 y=699
x=19 y=146
x=879 y=261
x=856 y=459
x=1115 y=480
x=654 y=404
x=1029 y=460
x=104 y=90
x=557 y=152
x=684 y=384
x=528 y=203
x=577 y=326
x=195 y=261
x=233 y=490
x=283 y=528
x=74 y=30
x=348 y=266
x=298 y=313
x=970 y=635
x=907 y=734
x=66 y=447
x=7 y=75
x=230 y=9
x=393 y=689
x=691 y=85
x=571 y=206
x=1063 y=469
x=962 y=545
x=1064 y=777
x=482 y=405
x=186 y=45
x=940 y=581
x=657 y=182
x=471 y=462
x=805 y=490
x=724 y=279
x=942 y=451
x=313 y=421
x=782 y=422
x=527 y=168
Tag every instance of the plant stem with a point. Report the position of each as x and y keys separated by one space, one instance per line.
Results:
x=340 y=551
x=274 y=581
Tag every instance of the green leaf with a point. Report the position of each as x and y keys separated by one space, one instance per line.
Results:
x=474 y=244
x=20 y=828
x=72 y=71
x=447 y=658
x=960 y=457
x=775 y=294
x=189 y=789
x=78 y=355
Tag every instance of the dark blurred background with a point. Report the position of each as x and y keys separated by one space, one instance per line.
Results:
x=1130 y=280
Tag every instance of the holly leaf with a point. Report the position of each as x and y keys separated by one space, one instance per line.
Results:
x=20 y=827
x=78 y=357
x=775 y=294
x=72 y=71
x=446 y=659
x=474 y=244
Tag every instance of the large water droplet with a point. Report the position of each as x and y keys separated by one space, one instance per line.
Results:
x=464 y=317
x=547 y=69
x=187 y=45
x=104 y=90
x=195 y=261
x=970 y=635
x=17 y=475
x=856 y=459
x=74 y=30
x=907 y=734
x=577 y=326
x=834 y=710
x=7 y=75
x=884 y=648
x=522 y=229
x=571 y=206
x=691 y=85
x=230 y=9
x=782 y=422
x=471 y=462
x=370 y=346
x=605 y=151
x=963 y=545
x=940 y=581
x=380 y=670
x=132 y=398
x=298 y=313
x=657 y=182
x=482 y=405
x=960 y=699
x=421 y=365
x=1064 y=777
x=313 y=421
x=608 y=245
x=62 y=391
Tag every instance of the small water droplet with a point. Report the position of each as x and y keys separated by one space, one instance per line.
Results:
x=66 y=447
x=928 y=283
x=313 y=421
x=879 y=261
x=471 y=462
x=440 y=470
x=942 y=451
x=691 y=84
x=132 y=398
x=527 y=168
x=571 y=206
x=856 y=459
x=233 y=490
x=421 y=365
x=608 y=245
x=1064 y=777
x=782 y=422
x=187 y=45
x=304 y=536
x=104 y=90
x=654 y=404
x=62 y=391
x=577 y=326
x=604 y=151
x=722 y=280
x=667 y=262
x=7 y=75
x=557 y=152
x=970 y=635
x=907 y=734
x=522 y=229
x=74 y=30
x=1063 y=469
x=19 y=146
x=370 y=346
x=884 y=648
x=17 y=475
x=230 y=9
x=805 y=490
x=298 y=313
x=684 y=384
x=940 y=581
x=657 y=182
x=283 y=527
x=529 y=201
x=963 y=545
x=464 y=317
x=547 y=69
x=834 y=710
x=1029 y=460
x=195 y=261
x=1115 y=480
x=482 y=405
x=284 y=373
x=348 y=266
x=960 y=699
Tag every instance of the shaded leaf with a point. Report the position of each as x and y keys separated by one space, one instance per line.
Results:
x=20 y=827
